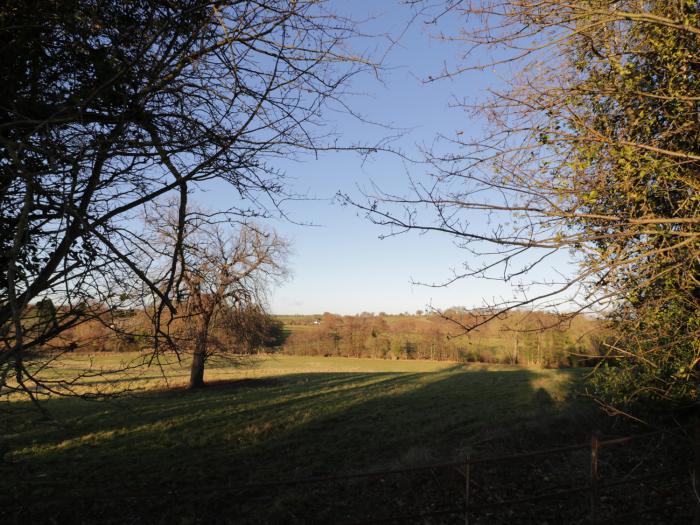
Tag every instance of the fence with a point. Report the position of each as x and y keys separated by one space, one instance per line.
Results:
x=598 y=505
x=475 y=490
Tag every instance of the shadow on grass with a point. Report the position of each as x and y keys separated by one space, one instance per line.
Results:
x=280 y=427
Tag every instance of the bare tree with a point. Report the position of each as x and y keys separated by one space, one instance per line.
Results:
x=222 y=276
x=106 y=106
x=592 y=148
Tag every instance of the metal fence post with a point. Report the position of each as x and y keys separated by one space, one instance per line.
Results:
x=467 y=474
x=594 y=500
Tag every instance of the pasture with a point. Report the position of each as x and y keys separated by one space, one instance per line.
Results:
x=267 y=419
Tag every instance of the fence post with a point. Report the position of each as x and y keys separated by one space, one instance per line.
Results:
x=696 y=469
x=467 y=474
x=594 y=500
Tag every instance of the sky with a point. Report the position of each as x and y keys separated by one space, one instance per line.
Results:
x=340 y=264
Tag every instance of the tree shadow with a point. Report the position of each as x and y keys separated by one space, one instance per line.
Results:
x=282 y=427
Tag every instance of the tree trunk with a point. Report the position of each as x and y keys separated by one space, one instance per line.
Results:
x=197 y=369
x=201 y=329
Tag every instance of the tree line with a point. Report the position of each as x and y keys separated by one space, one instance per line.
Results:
x=527 y=338
x=234 y=331
x=540 y=339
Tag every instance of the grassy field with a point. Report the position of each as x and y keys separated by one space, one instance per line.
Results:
x=270 y=418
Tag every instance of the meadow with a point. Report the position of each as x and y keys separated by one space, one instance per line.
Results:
x=266 y=419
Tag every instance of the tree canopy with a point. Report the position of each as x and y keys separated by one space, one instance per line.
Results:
x=593 y=149
x=106 y=106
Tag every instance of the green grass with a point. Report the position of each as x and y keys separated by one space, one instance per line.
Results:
x=115 y=372
x=274 y=418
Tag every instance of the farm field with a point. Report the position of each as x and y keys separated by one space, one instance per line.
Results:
x=269 y=419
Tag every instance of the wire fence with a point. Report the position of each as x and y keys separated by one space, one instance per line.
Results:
x=607 y=480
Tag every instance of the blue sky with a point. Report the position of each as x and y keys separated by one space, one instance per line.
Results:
x=340 y=265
